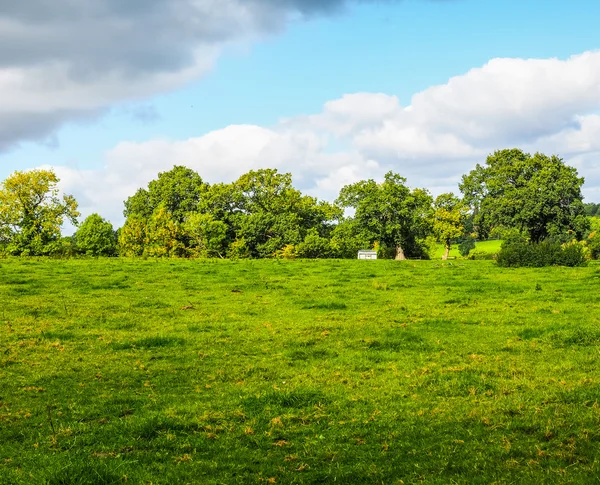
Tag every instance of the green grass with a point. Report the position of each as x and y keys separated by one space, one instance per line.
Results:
x=222 y=372
x=487 y=247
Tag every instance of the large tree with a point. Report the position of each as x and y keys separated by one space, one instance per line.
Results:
x=32 y=212
x=265 y=211
x=539 y=195
x=178 y=191
x=390 y=213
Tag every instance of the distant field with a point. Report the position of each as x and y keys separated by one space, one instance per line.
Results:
x=488 y=247
x=303 y=372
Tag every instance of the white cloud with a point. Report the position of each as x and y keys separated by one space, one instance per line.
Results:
x=539 y=105
x=66 y=60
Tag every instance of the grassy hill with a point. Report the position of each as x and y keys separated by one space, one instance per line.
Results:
x=216 y=372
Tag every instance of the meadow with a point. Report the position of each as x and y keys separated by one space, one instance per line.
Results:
x=297 y=372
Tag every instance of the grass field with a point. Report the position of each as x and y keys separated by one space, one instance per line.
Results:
x=269 y=371
x=487 y=247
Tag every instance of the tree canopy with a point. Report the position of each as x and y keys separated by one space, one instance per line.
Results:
x=179 y=191
x=390 y=213
x=262 y=214
x=32 y=212
x=96 y=237
x=539 y=195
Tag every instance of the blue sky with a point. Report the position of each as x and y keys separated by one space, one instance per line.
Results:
x=291 y=69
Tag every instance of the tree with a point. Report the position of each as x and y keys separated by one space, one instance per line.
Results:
x=264 y=210
x=32 y=212
x=96 y=237
x=390 y=213
x=449 y=215
x=163 y=235
x=207 y=236
x=348 y=237
x=132 y=236
x=540 y=196
x=179 y=191
x=314 y=246
x=592 y=209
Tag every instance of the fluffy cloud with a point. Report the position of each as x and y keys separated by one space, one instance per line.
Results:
x=540 y=105
x=65 y=59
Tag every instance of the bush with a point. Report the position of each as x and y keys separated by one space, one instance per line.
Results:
x=593 y=243
x=466 y=245
x=517 y=253
x=481 y=255
x=314 y=246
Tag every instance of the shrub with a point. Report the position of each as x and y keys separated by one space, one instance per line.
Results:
x=466 y=245
x=517 y=253
x=481 y=255
x=238 y=249
x=593 y=244
x=314 y=246
x=288 y=251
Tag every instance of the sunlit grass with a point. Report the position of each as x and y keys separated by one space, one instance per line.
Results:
x=331 y=371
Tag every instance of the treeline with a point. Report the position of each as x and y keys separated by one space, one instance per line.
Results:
x=262 y=215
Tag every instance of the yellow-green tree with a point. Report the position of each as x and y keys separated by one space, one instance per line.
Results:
x=449 y=216
x=206 y=236
x=132 y=236
x=32 y=212
x=163 y=235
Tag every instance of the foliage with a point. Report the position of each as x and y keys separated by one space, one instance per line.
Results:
x=466 y=245
x=538 y=195
x=520 y=253
x=132 y=236
x=178 y=191
x=481 y=255
x=163 y=235
x=592 y=209
x=238 y=249
x=314 y=246
x=206 y=236
x=593 y=243
x=96 y=237
x=269 y=213
x=286 y=252
x=449 y=216
x=32 y=212
x=390 y=212
x=347 y=238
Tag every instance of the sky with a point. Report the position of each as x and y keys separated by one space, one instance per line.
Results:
x=110 y=93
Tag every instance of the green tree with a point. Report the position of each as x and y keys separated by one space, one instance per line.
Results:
x=179 y=191
x=314 y=246
x=163 y=235
x=540 y=196
x=264 y=210
x=132 y=236
x=449 y=216
x=207 y=237
x=592 y=209
x=348 y=237
x=32 y=212
x=390 y=213
x=96 y=237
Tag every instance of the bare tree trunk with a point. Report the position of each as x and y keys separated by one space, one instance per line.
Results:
x=447 y=251
x=400 y=254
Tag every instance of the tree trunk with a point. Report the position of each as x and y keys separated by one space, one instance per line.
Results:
x=400 y=254
x=446 y=251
